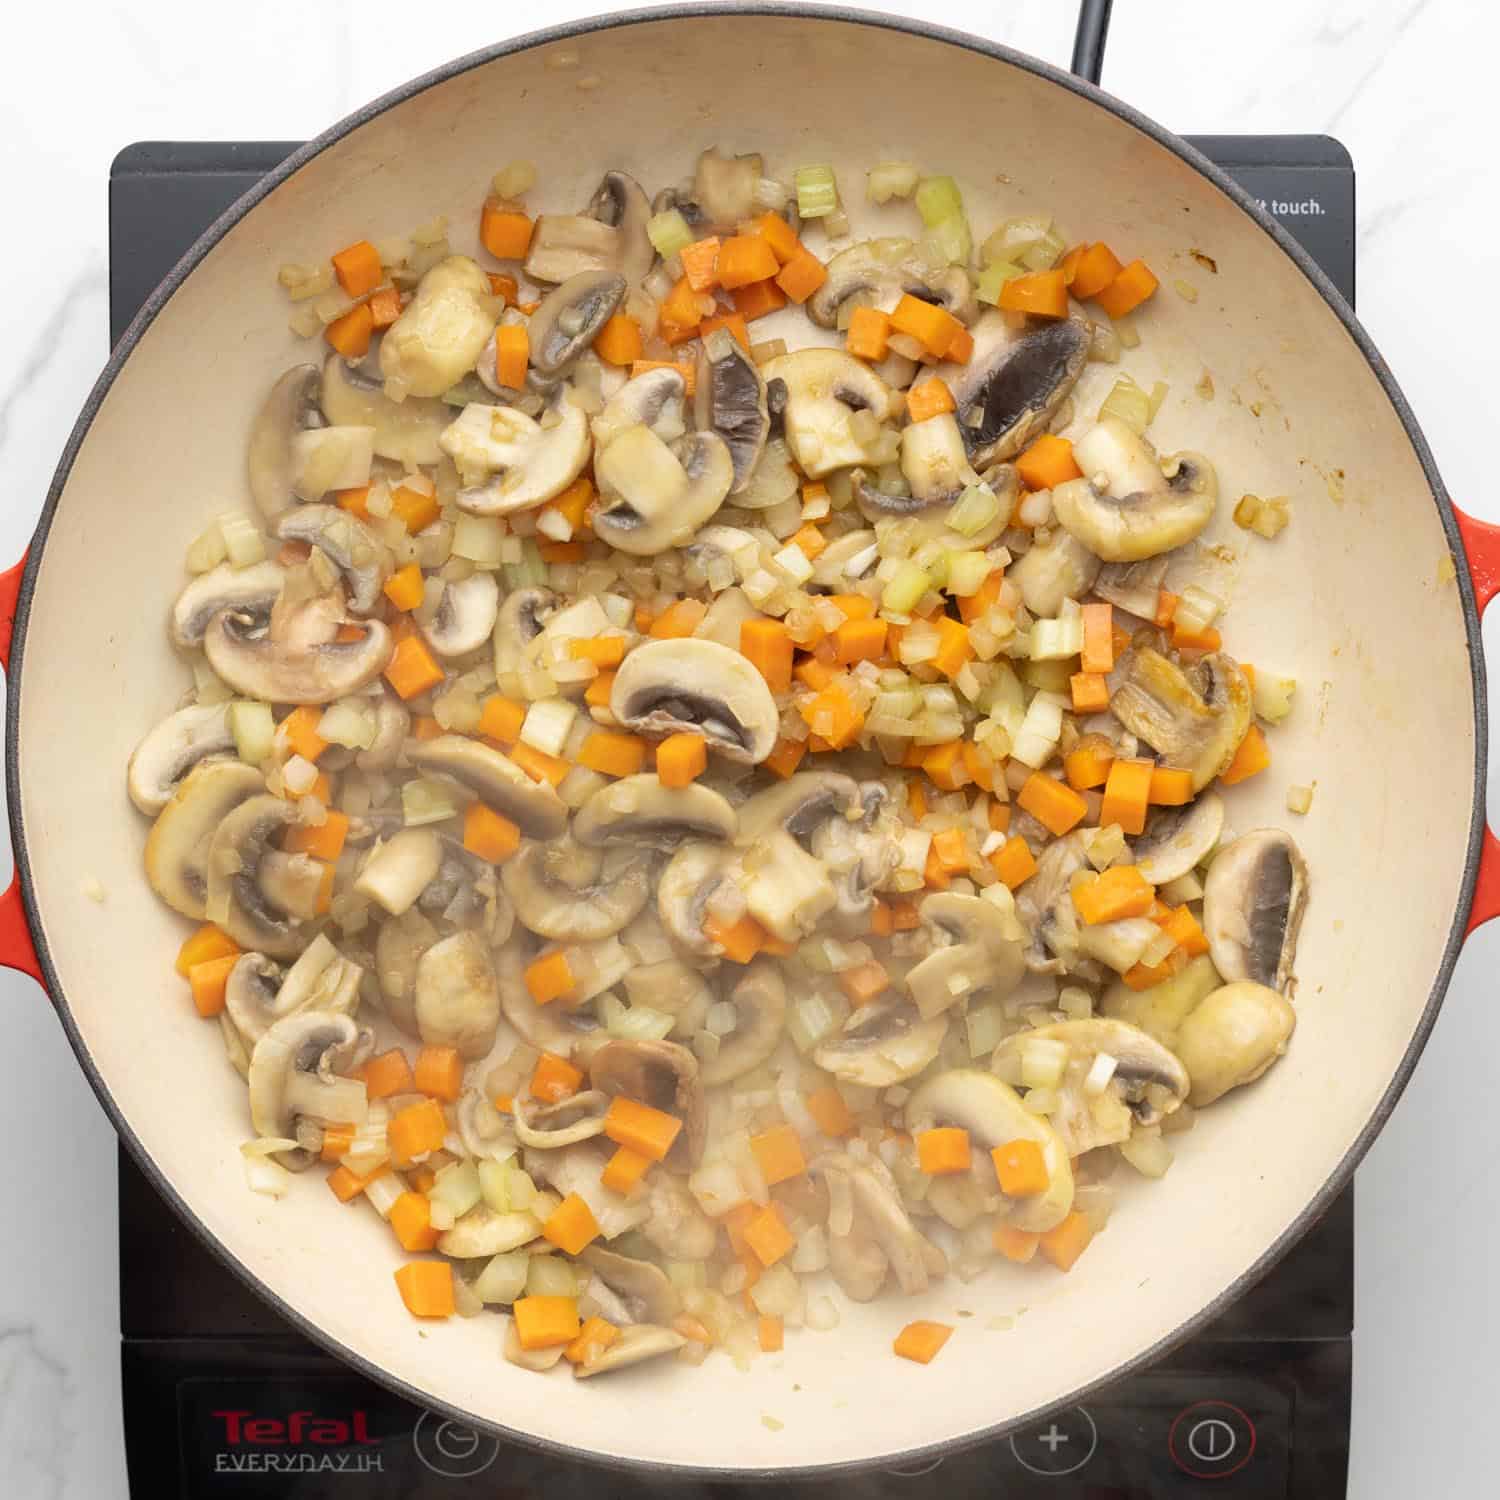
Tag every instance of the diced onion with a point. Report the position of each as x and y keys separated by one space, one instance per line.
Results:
x=383 y=1191
x=1299 y=799
x=1146 y=1151
x=822 y=1315
x=547 y=723
x=504 y=1279
x=986 y=1027
x=424 y=800
x=1100 y=1072
x=254 y=731
x=551 y=1276
x=456 y=1187
x=1042 y=1062
x=891 y=179
x=243 y=543
x=266 y=1176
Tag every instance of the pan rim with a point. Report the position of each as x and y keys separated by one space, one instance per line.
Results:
x=838 y=15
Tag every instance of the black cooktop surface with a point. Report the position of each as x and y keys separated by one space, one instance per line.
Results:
x=223 y=1398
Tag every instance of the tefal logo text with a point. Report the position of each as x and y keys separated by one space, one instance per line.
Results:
x=245 y=1427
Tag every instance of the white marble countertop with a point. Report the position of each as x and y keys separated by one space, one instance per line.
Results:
x=1408 y=86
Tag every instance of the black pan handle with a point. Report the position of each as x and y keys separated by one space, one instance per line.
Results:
x=1088 y=40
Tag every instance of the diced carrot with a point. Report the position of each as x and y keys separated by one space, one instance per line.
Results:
x=325 y=841
x=1097 y=267
x=928 y=398
x=785 y=757
x=597 y=693
x=758 y=300
x=1166 y=608
x=775 y=946
x=681 y=759
x=983 y=599
x=933 y=327
x=801 y=276
x=299 y=732
x=1065 y=1243
x=505 y=233
x=1183 y=639
x=980 y=765
x=778 y=1154
x=337 y=1140
x=550 y=977
x=745 y=259
x=921 y=1341
x=904 y=914
x=416 y=1130
x=208 y=942
x=554 y=1079
x=700 y=263
x=1043 y=294
x=741 y=940
x=943 y=1150
x=560 y=552
x=651 y=1132
x=538 y=765
x=952 y=850
x=357 y=267
x=859 y=640
x=209 y=981
x=832 y=716
x=945 y=768
x=1119 y=639
x=1253 y=756
x=387 y=1074
x=1000 y=817
x=769 y=1334
x=1014 y=862
x=385 y=306
x=768 y=1237
x=411 y=1218
x=954 y=649
x=611 y=753
x=504 y=286
x=412 y=668
x=350 y=334
x=868 y=335
x=814 y=672
x=346 y=1185
x=1068 y=265
x=767 y=646
x=404 y=587
x=420 y=1178
x=1017 y=1245
x=501 y=719
x=853 y=606
x=1182 y=926
x=809 y=539
x=1090 y=692
x=544 y=1322
x=734 y=322
x=624 y=1170
x=678 y=620
x=1120 y=892
x=439 y=1073
x=1170 y=787
x=356 y=501
x=830 y=1112
x=512 y=354
x=881 y=922
x=780 y=235
x=1128 y=290
x=619 y=342
x=426 y=1287
x=571 y=1226
x=602 y=650
x=864 y=982
x=1127 y=793
x=1054 y=804
x=935 y=875
x=1047 y=463
x=1145 y=977
x=1098 y=637
x=596 y=1335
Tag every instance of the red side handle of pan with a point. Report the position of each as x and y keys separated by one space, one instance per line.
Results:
x=17 y=951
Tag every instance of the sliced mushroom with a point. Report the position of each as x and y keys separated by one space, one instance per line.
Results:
x=1045 y=906
x=621 y=202
x=392 y=722
x=1253 y=903
x=882 y=1043
x=290 y=408
x=670 y=686
x=569 y=319
x=824 y=389
x=548 y=1127
x=533 y=806
x=655 y=399
x=1014 y=382
x=640 y=810
x=993 y=1114
x=683 y=892
x=731 y=401
x=518 y=623
x=258 y=667
x=1051 y=570
x=347 y=543
x=465 y=617
x=759 y=1000
x=248 y=591
x=845 y=560
x=177 y=846
x=983 y=952
x=439 y=335
x=1194 y=717
x=397 y=872
x=664 y=1075
x=237 y=902
x=1147 y=1084
x=536 y=1360
x=859 y=854
x=551 y=1028
x=260 y=993
x=1232 y=1037
x=406 y=432
x=936 y=468
x=645 y=1288
x=671 y=987
x=1134 y=587
x=457 y=1001
x=724 y=187
x=292 y=1072
x=1177 y=838
x=172 y=749
x=654 y=496
x=801 y=805
x=566 y=891
x=880 y=272
x=399 y=944
x=564 y=245
x=636 y=1342
x=482 y=1231
x=510 y=461
x=1161 y=1010
x=879 y=1212
x=1139 y=512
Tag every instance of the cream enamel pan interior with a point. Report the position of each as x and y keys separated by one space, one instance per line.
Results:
x=1357 y=599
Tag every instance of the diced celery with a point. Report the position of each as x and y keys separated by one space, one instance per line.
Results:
x=254 y=730
x=817 y=191
x=967 y=572
x=1043 y=1060
x=1056 y=640
x=993 y=277
x=1015 y=237
x=668 y=232
x=938 y=198
x=949 y=242
x=1045 y=252
x=976 y=508
x=1128 y=402
x=1273 y=696
x=906 y=587
x=892 y=179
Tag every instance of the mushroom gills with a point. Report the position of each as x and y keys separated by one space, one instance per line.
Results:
x=290 y=407
x=1254 y=900
x=171 y=750
x=884 y=1042
x=731 y=401
x=177 y=847
x=657 y=496
x=236 y=899
x=465 y=616
x=569 y=319
x=348 y=545
x=248 y=591
x=639 y=810
x=1194 y=718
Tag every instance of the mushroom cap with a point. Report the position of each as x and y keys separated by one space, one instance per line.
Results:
x=882 y=1043
x=290 y=407
x=457 y=1001
x=670 y=986
x=724 y=187
x=235 y=896
x=1253 y=902
x=246 y=591
x=533 y=806
x=312 y=1042
x=441 y=331
x=656 y=495
x=580 y=1117
x=684 y=889
x=171 y=749
x=392 y=723
x=1178 y=838
x=870 y=1229
x=831 y=570
x=731 y=401
x=406 y=432
x=1046 y=909
x=882 y=271
x=800 y=804
x=666 y=686
x=636 y=1342
x=1049 y=571
x=260 y=993
x=653 y=399
x=399 y=944
x=259 y=668
x=1161 y=1010
x=465 y=616
x=1193 y=717
x=518 y=622
x=664 y=1075
x=759 y=1000
x=986 y=954
x=621 y=202
x=645 y=1287
x=824 y=388
x=528 y=462
x=1231 y=1037
x=567 y=891
x=347 y=543
x=640 y=810
x=1134 y=587
x=177 y=847
x=482 y=1231
x=564 y=245
x=1014 y=382
x=569 y=318
x=551 y=1028
x=993 y=1114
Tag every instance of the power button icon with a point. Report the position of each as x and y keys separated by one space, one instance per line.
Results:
x=1211 y=1440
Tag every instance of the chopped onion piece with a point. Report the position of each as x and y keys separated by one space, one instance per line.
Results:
x=424 y=800
x=891 y=179
x=1100 y=1072
x=266 y=1176
x=551 y=1276
x=504 y=1279
x=254 y=732
x=1299 y=799
x=547 y=723
x=1042 y=1062
x=383 y=1191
